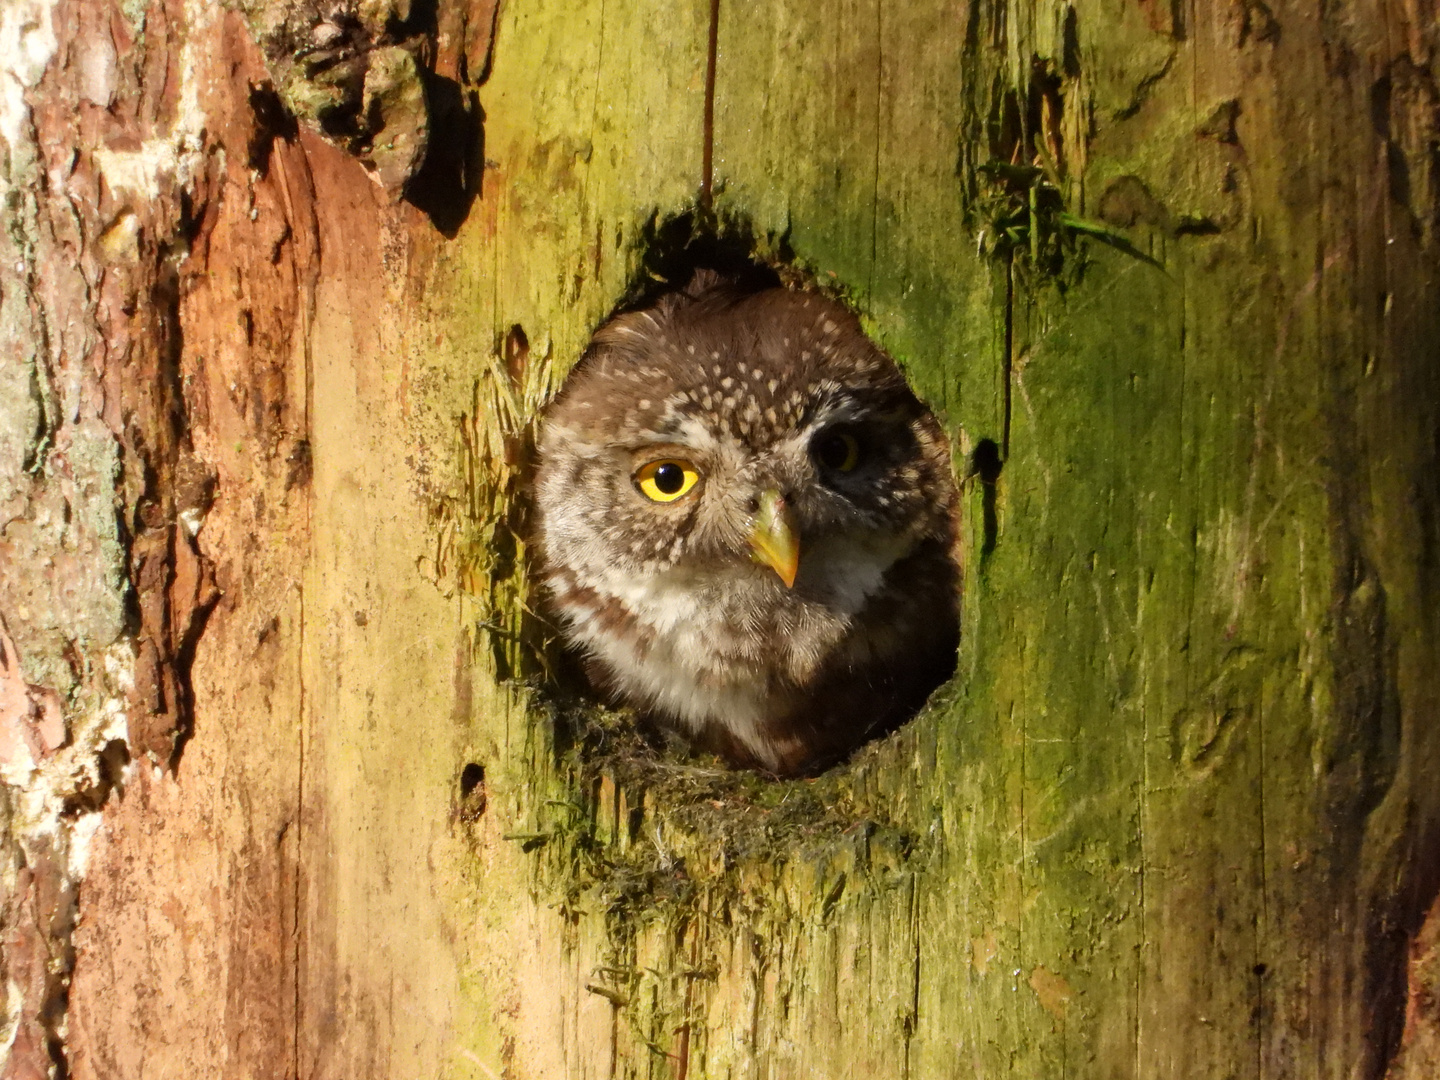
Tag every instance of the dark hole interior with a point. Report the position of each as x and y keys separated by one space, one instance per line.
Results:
x=472 y=791
x=985 y=465
x=472 y=777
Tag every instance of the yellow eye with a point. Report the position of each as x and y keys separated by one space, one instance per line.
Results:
x=666 y=480
x=837 y=450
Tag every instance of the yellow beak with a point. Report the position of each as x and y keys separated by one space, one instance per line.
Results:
x=774 y=540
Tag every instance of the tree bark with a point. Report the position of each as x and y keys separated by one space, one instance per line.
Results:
x=295 y=783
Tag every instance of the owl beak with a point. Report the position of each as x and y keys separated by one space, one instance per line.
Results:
x=774 y=539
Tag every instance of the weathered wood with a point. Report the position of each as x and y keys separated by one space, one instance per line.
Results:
x=1175 y=816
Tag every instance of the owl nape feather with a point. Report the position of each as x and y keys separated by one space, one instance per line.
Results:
x=746 y=525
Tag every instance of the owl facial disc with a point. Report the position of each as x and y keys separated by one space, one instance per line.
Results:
x=695 y=447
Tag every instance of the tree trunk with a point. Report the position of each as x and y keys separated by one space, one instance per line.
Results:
x=297 y=785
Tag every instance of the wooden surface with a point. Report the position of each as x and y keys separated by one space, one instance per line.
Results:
x=1176 y=815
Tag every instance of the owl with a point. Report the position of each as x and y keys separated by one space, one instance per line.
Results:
x=746 y=525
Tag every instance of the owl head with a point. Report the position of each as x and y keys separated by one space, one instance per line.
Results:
x=735 y=492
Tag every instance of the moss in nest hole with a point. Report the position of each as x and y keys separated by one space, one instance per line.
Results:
x=645 y=830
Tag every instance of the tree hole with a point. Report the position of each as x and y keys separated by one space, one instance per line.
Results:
x=813 y=560
x=472 y=791
x=985 y=464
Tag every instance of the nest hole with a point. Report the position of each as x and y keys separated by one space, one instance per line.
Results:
x=672 y=251
x=472 y=791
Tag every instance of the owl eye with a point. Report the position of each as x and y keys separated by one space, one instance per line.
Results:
x=837 y=450
x=666 y=480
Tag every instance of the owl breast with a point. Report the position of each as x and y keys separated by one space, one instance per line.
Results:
x=745 y=526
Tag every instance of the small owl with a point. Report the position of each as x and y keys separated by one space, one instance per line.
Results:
x=746 y=525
